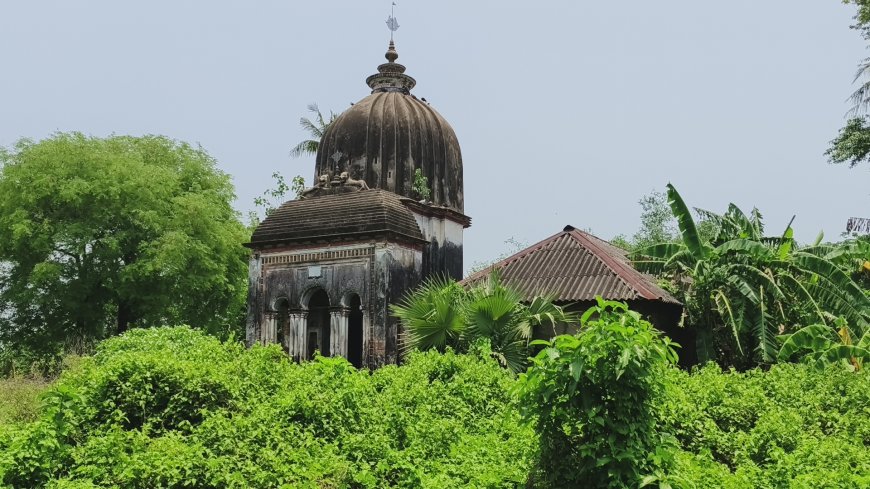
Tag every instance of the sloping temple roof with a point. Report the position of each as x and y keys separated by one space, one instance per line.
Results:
x=335 y=216
x=575 y=266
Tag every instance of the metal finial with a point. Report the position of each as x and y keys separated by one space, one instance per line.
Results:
x=392 y=23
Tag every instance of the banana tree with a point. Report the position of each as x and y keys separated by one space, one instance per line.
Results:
x=821 y=344
x=742 y=289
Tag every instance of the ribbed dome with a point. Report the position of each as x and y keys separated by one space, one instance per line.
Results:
x=386 y=136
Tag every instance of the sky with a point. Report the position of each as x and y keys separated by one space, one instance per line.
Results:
x=567 y=112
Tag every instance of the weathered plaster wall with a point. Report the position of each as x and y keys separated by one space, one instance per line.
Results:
x=398 y=271
x=444 y=251
x=379 y=272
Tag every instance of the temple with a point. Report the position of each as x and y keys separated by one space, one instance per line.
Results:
x=325 y=268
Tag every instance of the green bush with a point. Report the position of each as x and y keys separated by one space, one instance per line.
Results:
x=172 y=407
x=591 y=395
x=219 y=415
x=792 y=426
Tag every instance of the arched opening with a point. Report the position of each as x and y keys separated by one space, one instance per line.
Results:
x=282 y=322
x=318 y=324
x=355 y=332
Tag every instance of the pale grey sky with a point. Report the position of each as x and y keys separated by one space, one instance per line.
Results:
x=567 y=111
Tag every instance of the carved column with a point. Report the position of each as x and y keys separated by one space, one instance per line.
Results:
x=269 y=332
x=297 y=337
x=366 y=337
x=344 y=322
x=338 y=319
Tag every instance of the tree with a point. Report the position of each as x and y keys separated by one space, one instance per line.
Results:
x=442 y=313
x=316 y=128
x=852 y=144
x=273 y=198
x=741 y=289
x=657 y=224
x=103 y=234
x=822 y=344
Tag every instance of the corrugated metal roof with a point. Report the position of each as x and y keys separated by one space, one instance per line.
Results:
x=575 y=266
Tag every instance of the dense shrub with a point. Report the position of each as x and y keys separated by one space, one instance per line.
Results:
x=591 y=395
x=171 y=407
x=792 y=426
x=219 y=415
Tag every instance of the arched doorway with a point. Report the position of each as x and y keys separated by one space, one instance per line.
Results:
x=318 y=324
x=355 y=332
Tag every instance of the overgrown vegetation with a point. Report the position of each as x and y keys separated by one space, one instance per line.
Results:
x=742 y=288
x=442 y=313
x=591 y=398
x=172 y=407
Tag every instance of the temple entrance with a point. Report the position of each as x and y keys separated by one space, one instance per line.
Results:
x=318 y=324
x=355 y=332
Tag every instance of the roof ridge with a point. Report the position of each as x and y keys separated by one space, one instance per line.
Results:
x=617 y=266
x=516 y=256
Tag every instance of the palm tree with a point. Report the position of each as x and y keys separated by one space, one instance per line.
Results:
x=742 y=289
x=315 y=128
x=442 y=313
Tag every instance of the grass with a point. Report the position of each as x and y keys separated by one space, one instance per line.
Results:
x=20 y=398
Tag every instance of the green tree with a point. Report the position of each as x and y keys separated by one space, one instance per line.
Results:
x=99 y=235
x=822 y=344
x=442 y=313
x=273 y=198
x=316 y=129
x=421 y=185
x=852 y=144
x=741 y=289
x=657 y=224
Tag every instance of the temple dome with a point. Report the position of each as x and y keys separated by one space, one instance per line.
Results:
x=386 y=136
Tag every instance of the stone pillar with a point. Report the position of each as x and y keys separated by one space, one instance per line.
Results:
x=296 y=336
x=366 y=336
x=269 y=331
x=338 y=332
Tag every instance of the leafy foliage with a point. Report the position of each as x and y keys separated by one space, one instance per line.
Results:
x=591 y=397
x=657 y=224
x=421 y=185
x=852 y=144
x=442 y=313
x=792 y=426
x=316 y=128
x=742 y=289
x=821 y=344
x=101 y=234
x=219 y=415
x=171 y=407
x=272 y=198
